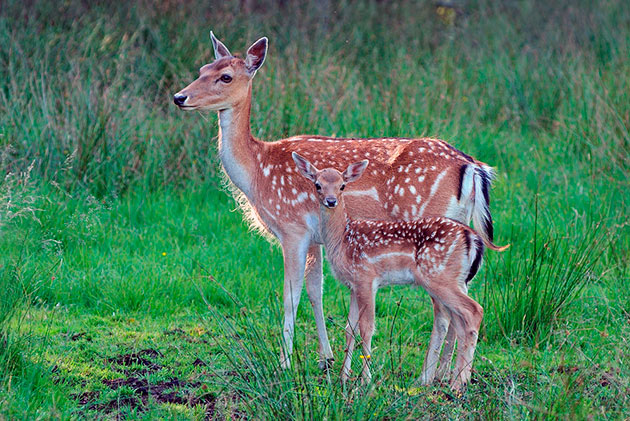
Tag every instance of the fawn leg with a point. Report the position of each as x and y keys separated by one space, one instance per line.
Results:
x=444 y=369
x=447 y=353
x=467 y=319
x=351 y=330
x=441 y=321
x=366 y=327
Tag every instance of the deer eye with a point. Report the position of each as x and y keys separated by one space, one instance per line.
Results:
x=343 y=186
x=226 y=78
x=318 y=186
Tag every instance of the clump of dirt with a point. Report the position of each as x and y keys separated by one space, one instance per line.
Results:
x=86 y=397
x=199 y=363
x=173 y=390
x=79 y=335
x=117 y=404
x=138 y=358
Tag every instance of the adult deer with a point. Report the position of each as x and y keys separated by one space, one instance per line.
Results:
x=437 y=253
x=408 y=178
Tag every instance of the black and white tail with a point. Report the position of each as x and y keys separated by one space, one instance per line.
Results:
x=475 y=253
x=482 y=219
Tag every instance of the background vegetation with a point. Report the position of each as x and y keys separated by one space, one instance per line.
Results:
x=131 y=289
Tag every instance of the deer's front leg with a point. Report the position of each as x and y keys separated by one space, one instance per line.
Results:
x=366 y=302
x=294 y=253
x=351 y=331
x=314 y=282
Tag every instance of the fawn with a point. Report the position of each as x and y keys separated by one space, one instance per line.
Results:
x=437 y=253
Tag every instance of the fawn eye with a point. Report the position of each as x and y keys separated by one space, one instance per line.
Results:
x=318 y=186
x=226 y=78
x=343 y=186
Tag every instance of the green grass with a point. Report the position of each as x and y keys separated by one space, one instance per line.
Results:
x=132 y=288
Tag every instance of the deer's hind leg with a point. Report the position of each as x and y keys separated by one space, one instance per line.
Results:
x=466 y=316
x=441 y=321
x=444 y=367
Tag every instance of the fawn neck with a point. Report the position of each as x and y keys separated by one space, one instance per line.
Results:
x=333 y=223
x=237 y=147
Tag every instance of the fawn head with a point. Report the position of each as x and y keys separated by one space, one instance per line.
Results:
x=329 y=182
x=224 y=82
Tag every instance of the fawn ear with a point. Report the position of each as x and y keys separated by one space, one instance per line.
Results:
x=256 y=56
x=304 y=167
x=220 y=50
x=354 y=171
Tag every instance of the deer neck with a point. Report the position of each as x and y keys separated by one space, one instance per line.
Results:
x=333 y=224
x=237 y=146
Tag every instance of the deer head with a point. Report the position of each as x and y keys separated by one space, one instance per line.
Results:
x=329 y=182
x=224 y=82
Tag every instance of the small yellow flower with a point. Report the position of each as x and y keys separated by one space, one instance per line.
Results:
x=412 y=391
x=163 y=253
x=367 y=357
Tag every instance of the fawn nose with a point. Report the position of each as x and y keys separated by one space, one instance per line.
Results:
x=331 y=202
x=179 y=99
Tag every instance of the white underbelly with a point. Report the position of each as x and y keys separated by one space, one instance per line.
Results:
x=396 y=277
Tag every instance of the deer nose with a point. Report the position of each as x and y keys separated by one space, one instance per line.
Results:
x=179 y=99
x=331 y=202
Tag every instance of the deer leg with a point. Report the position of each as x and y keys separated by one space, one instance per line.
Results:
x=447 y=354
x=444 y=368
x=294 y=253
x=351 y=330
x=441 y=321
x=466 y=316
x=366 y=328
x=314 y=282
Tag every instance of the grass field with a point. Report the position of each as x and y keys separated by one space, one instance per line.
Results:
x=131 y=287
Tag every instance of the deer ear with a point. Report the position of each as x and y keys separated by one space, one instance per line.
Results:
x=256 y=56
x=354 y=171
x=220 y=50
x=304 y=167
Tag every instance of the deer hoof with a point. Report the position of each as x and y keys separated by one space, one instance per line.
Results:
x=325 y=365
